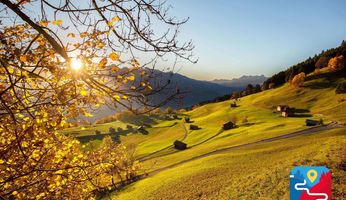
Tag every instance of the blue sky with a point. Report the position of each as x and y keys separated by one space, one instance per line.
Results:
x=249 y=37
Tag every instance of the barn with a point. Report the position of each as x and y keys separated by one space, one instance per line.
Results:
x=194 y=127
x=180 y=145
x=310 y=122
x=228 y=125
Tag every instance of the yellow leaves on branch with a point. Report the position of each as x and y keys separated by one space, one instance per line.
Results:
x=44 y=23
x=117 y=97
x=131 y=78
x=115 y=68
x=116 y=19
x=71 y=35
x=100 y=44
x=88 y=114
x=103 y=62
x=57 y=22
x=83 y=92
x=83 y=35
x=114 y=56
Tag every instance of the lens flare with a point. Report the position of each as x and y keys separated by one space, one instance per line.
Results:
x=76 y=64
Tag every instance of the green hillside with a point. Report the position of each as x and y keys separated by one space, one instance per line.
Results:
x=211 y=169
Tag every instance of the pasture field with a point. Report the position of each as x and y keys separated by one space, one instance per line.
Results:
x=258 y=170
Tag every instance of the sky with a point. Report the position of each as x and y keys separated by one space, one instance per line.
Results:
x=254 y=37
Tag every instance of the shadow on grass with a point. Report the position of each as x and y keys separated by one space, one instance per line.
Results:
x=329 y=80
x=301 y=115
x=301 y=110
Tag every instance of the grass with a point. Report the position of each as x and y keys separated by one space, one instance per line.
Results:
x=247 y=173
x=90 y=129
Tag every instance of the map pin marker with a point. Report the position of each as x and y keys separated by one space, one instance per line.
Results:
x=312 y=175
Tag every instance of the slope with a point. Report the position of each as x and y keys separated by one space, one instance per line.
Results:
x=217 y=176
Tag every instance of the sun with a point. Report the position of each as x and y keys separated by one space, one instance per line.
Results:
x=76 y=64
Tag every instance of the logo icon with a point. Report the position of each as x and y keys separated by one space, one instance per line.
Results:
x=310 y=183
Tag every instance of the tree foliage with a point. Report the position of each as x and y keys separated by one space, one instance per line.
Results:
x=298 y=79
x=307 y=66
x=337 y=63
x=41 y=87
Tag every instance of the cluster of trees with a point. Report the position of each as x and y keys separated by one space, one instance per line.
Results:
x=333 y=58
x=307 y=66
x=250 y=89
x=123 y=115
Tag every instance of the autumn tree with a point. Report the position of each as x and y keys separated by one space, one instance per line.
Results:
x=298 y=79
x=63 y=59
x=337 y=63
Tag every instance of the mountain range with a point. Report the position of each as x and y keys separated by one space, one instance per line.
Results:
x=241 y=82
x=195 y=91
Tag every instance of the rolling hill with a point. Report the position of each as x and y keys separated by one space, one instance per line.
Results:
x=250 y=161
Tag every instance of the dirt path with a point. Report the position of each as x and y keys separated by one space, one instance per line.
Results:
x=286 y=136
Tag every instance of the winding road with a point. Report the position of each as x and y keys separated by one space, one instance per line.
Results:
x=330 y=126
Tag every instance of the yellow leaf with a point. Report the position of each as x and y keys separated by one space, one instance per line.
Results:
x=88 y=115
x=110 y=23
x=71 y=35
x=125 y=97
x=103 y=62
x=100 y=44
x=131 y=78
x=10 y=70
x=114 y=56
x=117 y=97
x=23 y=58
x=57 y=22
x=44 y=23
x=116 y=19
x=82 y=35
x=83 y=92
x=114 y=68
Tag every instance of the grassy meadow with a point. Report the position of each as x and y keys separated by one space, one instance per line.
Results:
x=246 y=173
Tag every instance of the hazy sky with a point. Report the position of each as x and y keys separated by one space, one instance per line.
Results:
x=238 y=37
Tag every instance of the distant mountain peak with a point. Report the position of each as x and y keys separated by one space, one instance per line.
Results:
x=242 y=81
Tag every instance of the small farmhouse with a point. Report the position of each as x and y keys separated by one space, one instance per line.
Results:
x=194 y=127
x=179 y=145
x=187 y=119
x=310 y=122
x=281 y=108
x=147 y=125
x=228 y=125
x=142 y=130
x=287 y=113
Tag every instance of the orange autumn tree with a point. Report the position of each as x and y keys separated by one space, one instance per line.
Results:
x=61 y=60
x=298 y=79
x=337 y=63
